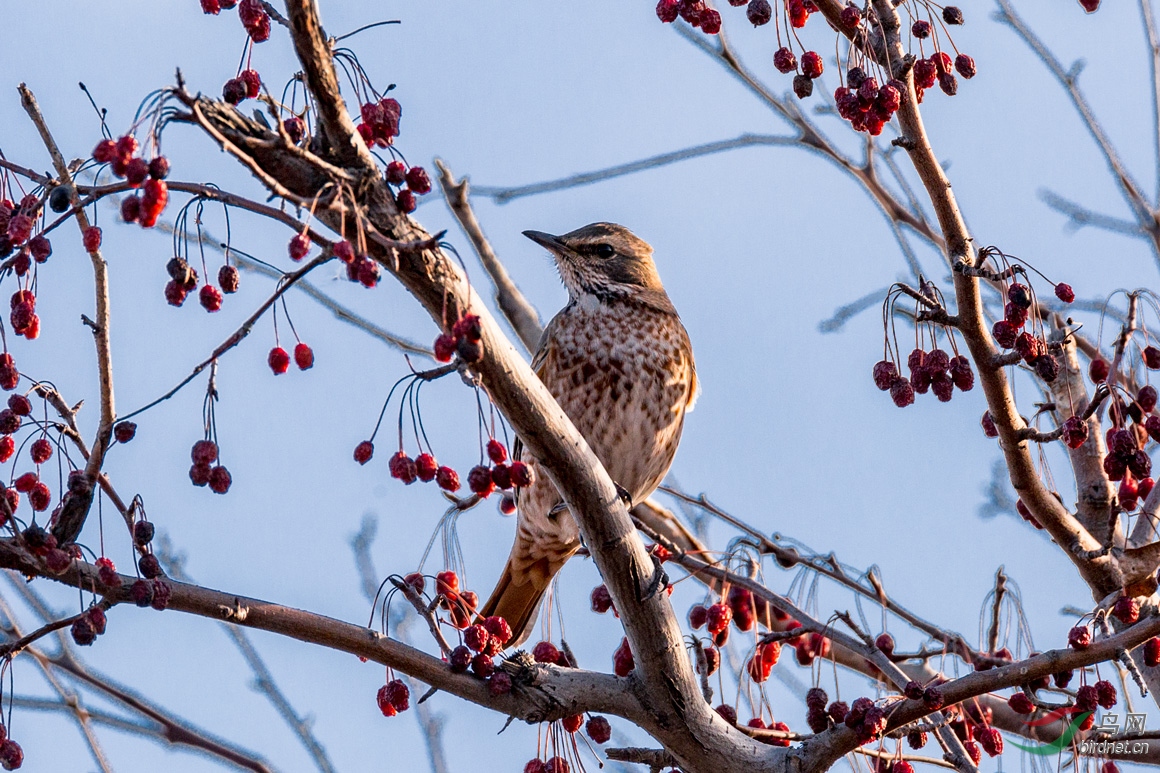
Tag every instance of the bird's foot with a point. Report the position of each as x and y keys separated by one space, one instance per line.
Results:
x=659 y=581
x=624 y=494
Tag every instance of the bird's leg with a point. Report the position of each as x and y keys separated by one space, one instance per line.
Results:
x=659 y=581
x=624 y=495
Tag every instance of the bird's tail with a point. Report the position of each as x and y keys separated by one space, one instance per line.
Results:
x=519 y=592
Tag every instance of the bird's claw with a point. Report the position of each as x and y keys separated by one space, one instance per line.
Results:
x=659 y=581
x=623 y=494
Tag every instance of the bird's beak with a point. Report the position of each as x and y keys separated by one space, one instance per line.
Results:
x=547 y=241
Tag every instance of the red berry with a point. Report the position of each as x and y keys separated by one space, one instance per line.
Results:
x=204 y=452
x=1152 y=652
x=403 y=468
x=299 y=247
x=546 y=652
x=406 y=201
x=1152 y=357
x=210 y=298
x=1145 y=487
x=953 y=15
x=718 y=617
x=137 y=171
x=396 y=173
x=444 y=348
x=965 y=66
x=480 y=482
x=26 y=482
x=199 y=474
x=920 y=29
x=159 y=167
x=572 y=723
x=1099 y=370
x=784 y=60
x=303 y=356
x=175 y=293
x=40 y=497
x=496 y=451
x=426 y=467
x=1127 y=610
x=1079 y=637
x=1106 y=694
x=1075 y=432
x=228 y=278
x=220 y=480
x=885 y=373
x=598 y=729
x=902 y=393
x=92 y=238
x=447 y=479
x=812 y=65
x=622 y=661
x=253 y=82
x=727 y=713
x=41 y=450
x=522 y=476
x=601 y=599
x=234 y=91
x=278 y=360
x=7 y=448
x=1005 y=333
x=1064 y=292
x=105 y=151
x=1020 y=703
x=460 y=659
x=925 y=73
x=850 y=18
x=710 y=21
x=342 y=250
x=383 y=699
x=418 y=181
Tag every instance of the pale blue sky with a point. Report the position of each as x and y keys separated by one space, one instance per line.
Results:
x=755 y=247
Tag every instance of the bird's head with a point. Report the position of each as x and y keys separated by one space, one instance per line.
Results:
x=604 y=260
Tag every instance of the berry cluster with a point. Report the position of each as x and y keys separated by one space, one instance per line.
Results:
x=207 y=469
x=17 y=222
x=414 y=179
x=360 y=268
x=1128 y=463
x=465 y=339
x=279 y=358
x=183 y=280
x=251 y=13
x=380 y=122
x=483 y=480
x=246 y=85
x=149 y=176
x=24 y=319
x=865 y=104
x=1030 y=344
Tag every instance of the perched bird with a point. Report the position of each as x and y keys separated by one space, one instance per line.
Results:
x=619 y=362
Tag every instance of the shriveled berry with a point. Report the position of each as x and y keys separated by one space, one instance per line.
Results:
x=396 y=173
x=142 y=593
x=92 y=238
x=480 y=482
x=402 y=467
x=1005 y=333
x=546 y=652
x=1098 y=370
x=1152 y=652
x=1106 y=694
x=991 y=740
x=496 y=451
x=952 y=14
x=710 y=21
x=727 y=713
x=812 y=65
x=1047 y=367
x=885 y=374
x=965 y=66
x=1075 y=432
x=961 y=374
x=932 y=697
x=521 y=473
x=234 y=91
x=902 y=393
x=1127 y=610
x=204 y=452
x=759 y=13
x=601 y=599
x=40 y=451
x=418 y=181
x=920 y=29
x=447 y=479
x=1064 y=292
x=149 y=565
x=406 y=201
x=143 y=533
x=598 y=729
x=622 y=661
x=124 y=431
x=460 y=659
x=850 y=17
x=220 y=480
x=1020 y=703
x=1079 y=637
x=199 y=474
x=303 y=356
x=1152 y=357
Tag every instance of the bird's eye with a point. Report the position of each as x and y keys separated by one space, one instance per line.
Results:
x=605 y=250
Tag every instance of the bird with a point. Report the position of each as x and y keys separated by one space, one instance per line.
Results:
x=619 y=362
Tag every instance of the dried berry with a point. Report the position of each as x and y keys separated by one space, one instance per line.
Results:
x=622 y=661
x=1079 y=637
x=124 y=431
x=920 y=29
x=601 y=599
x=220 y=480
x=1064 y=292
x=952 y=15
x=1152 y=652
x=143 y=533
x=1020 y=703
